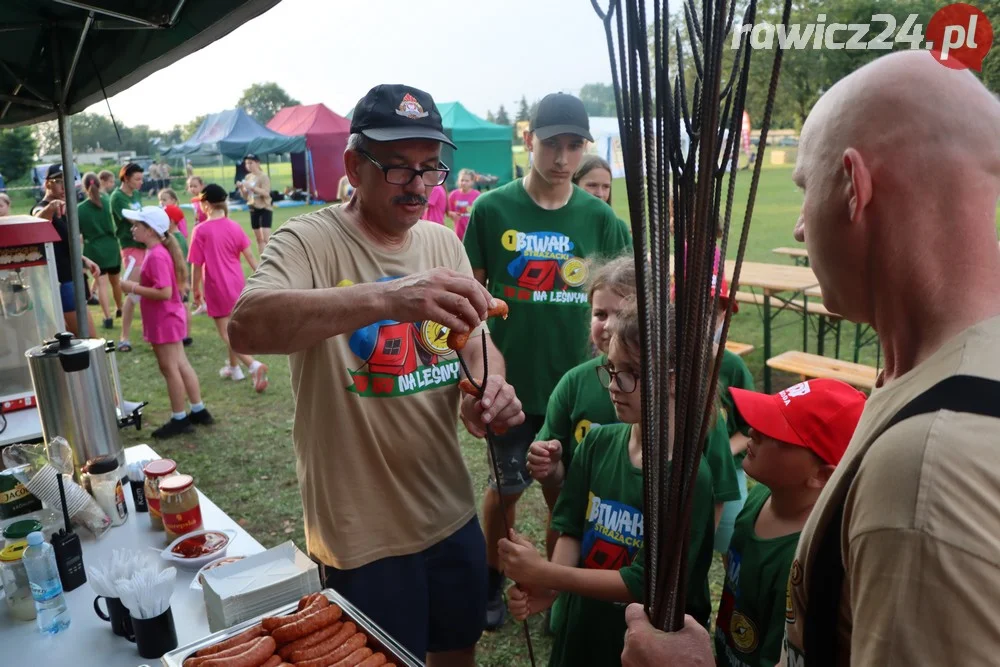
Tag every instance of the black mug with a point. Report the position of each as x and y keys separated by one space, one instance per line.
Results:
x=154 y=636
x=117 y=615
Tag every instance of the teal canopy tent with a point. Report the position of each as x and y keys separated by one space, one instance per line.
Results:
x=233 y=134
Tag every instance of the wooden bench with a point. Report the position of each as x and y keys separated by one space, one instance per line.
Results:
x=807 y=365
x=739 y=349
x=814 y=307
x=799 y=255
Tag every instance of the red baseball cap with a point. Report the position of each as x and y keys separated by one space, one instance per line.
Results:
x=820 y=415
x=724 y=293
x=174 y=212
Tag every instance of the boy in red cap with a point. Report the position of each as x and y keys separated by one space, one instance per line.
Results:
x=797 y=438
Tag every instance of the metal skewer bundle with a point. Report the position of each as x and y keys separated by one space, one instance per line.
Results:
x=676 y=193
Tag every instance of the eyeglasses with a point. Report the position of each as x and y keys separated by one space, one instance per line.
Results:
x=626 y=381
x=404 y=175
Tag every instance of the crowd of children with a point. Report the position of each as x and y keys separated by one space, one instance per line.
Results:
x=148 y=256
x=588 y=459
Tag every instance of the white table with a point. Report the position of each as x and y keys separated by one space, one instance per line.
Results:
x=89 y=640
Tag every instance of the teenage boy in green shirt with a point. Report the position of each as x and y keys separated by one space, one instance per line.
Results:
x=528 y=242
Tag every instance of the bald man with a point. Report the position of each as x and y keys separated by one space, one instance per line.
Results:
x=900 y=165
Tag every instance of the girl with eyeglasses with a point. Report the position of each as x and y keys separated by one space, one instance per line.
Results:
x=598 y=561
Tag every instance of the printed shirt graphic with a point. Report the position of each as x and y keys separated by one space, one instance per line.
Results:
x=751 y=622
x=401 y=358
x=374 y=409
x=535 y=260
x=578 y=404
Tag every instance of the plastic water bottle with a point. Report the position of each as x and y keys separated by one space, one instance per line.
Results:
x=40 y=561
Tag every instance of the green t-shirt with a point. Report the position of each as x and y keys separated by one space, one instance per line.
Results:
x=718 y=453
x=119 y=201
x=182 y=242
x=534 y=260
x=751 y=621
x=734 y=373
x=100 y=244
x=578 y=404
x=601 y=505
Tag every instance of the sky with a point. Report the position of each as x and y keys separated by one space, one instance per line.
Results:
x=483 y=53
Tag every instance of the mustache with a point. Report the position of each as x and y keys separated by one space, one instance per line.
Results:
x=410 y=199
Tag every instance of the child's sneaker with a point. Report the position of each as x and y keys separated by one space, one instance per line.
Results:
x=174 y=427
x=259 y=373
x=226 y=372
x=109 y=323
x=237 y=374
x=202 y=418
x=200 y=310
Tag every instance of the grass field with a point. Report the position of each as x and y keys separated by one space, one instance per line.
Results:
x=246 y=463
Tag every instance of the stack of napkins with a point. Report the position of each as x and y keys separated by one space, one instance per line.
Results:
x=257 y=585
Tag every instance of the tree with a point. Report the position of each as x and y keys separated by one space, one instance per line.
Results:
x=263 y=100
x=598 y=99
x=523 y=111
x=490 y=117
x=192 y=126
x=17 y=152
x=502 y=117
x=991 y=65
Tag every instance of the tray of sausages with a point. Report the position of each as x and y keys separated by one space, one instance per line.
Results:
x=322 y=630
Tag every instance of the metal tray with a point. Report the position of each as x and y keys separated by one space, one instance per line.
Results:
x=378 y=639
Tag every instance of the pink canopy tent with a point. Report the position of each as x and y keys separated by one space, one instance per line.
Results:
x=320 y=168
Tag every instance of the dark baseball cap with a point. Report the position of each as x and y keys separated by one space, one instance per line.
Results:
x=54 y=171
x=394 y=112
x=559 y=113
x=251 y=156
x=213 y=194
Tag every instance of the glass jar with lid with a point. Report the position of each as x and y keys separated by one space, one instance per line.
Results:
x=106 y=486
x=157 y=471
x=179 y=506
x=18 y=531
x=16 y=588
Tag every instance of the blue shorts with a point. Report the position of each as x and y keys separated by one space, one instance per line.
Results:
x=68 y=297
x=430 y=601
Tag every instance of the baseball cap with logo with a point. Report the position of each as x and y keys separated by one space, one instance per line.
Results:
x=394 y=112
x=559 y=113
x=154 y=216
x=820 y=415
x=54 y=171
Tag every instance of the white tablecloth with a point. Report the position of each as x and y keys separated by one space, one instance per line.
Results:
x=89 y=640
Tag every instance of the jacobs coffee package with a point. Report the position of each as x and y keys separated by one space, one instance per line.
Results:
x=15 y=500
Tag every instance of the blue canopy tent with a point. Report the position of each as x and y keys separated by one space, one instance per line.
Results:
x=233 y=134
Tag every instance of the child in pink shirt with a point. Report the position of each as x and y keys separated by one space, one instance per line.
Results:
x=194 y=186
x=164 y=323
x=460 y=201
x=437 y=203
x=217 y=246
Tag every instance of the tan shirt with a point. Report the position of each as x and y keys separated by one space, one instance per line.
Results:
x=921 y=531
x=258 y=181
x=376 y=445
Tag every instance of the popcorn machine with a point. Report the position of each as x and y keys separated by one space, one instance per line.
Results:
x=30 y=311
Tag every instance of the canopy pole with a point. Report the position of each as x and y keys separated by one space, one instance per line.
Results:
x=75 y=249
x=267 y=158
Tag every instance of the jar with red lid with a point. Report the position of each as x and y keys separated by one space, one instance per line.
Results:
x=156 y=472
x=179 y=506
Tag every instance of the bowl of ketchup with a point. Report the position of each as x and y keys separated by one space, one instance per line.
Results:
x=194 y=550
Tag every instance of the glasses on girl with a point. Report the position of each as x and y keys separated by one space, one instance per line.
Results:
x=625 y=380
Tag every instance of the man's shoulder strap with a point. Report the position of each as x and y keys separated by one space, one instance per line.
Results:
x=959 y=393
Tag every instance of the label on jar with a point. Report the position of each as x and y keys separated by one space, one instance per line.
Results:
x=120 y=501
x=183 y=522
x=15 y=499
x=154 y=508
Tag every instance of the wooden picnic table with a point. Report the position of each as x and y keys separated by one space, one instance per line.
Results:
x=800 y=255
x=772 y=280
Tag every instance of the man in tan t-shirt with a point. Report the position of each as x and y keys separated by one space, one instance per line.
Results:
x=900 y=164
x=362 y=296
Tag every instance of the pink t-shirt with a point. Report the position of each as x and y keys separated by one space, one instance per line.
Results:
x=437 y=202
x=460 y=205
x=163 y=321
x=217 y=246
x=199 y=213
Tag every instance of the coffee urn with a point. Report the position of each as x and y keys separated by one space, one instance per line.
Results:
x=72 y=381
